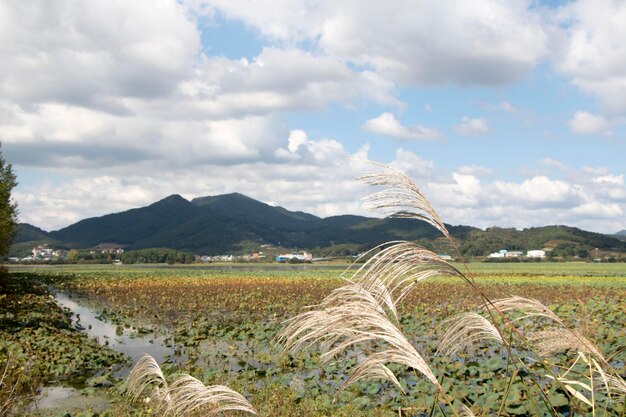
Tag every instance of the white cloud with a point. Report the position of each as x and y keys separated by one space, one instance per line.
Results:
x=121 y=101
x=610 y=179
x=88 y=85
x=593 y=53
x=540 y=191
x=413 y=165
x=586 y=123
x=472 y=127
x=474 y=170
x=598 y=210
x=463 y=191
x=94 y=53
x=63 y=135
x=387 y=124
x=485 y=42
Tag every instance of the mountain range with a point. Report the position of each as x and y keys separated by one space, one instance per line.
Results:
x=232 y=223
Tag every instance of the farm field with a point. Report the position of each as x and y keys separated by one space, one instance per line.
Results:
x=221 y=325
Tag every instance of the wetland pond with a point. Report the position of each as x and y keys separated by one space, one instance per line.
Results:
x=128 y=341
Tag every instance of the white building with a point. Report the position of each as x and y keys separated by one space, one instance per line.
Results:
x=536 y=254
x=500 y=254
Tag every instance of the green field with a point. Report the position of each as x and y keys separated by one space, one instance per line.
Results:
x=220 y=326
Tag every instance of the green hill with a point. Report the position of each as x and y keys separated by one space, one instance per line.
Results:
x=127 y=227
x=28 y=237
x=233 y=223
x=29 y=233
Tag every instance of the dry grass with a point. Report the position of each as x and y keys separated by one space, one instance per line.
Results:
x=555 y=340
x=185 y=396
x=352 y=316
x=402 y=198
x=464 y=331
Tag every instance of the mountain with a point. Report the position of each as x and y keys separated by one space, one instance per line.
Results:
x=127 y=227
x=621 y=235
x=29 y=233
x=232 y=223
x=565 y=240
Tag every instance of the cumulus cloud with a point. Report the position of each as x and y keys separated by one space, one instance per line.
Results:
x=121 y=101
x=94 y=53
x=387 y=124
x=486 y=43
x=610 y=179
x=587 y=123
x=472 y=127
x=540 y=191
x=593 y=53
x=62 y=135
x=87 y=85
x=413 y=165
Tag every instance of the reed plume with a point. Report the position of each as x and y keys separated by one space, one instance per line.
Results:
x=399 y=266
x=190 y=395
x=147 y=375
x=554 y=340
x=185 y=395
x=402 y=199
x=528 y=306
x=466 y=329
x=349 y=317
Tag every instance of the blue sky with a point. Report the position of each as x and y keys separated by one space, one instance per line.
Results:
x=507 y=113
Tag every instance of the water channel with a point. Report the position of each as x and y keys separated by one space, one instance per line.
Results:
x=126 y=341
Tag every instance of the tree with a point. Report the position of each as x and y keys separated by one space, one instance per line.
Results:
x=8 y=208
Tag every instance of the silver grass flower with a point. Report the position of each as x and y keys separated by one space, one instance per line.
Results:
x=616 y=387
x=147 y=374
x=464 y=411
x=185 y=395
x=398 y=267
x=189 y=395
x=365 y=371
x=358 y=320
x=464 y=330
x=402 y=199
x=551 y=341
x=528 y=306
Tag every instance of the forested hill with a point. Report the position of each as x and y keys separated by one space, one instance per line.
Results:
x=233 y=223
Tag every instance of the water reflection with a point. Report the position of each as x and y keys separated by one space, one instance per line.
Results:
x=117 y=338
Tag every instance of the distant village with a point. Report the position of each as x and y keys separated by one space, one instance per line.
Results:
x=112 y=254
x=43 y=253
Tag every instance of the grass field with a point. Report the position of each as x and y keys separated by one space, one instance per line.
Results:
x=223 y=323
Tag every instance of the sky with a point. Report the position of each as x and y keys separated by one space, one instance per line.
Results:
x=505 y=113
